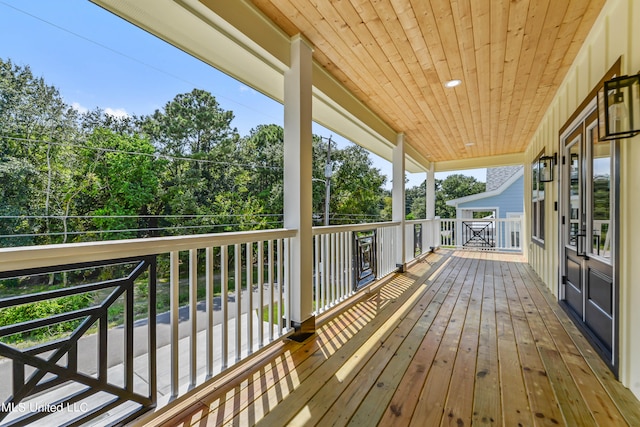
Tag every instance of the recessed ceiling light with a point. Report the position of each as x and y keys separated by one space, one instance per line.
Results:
x=453 y=83
x=470 y=144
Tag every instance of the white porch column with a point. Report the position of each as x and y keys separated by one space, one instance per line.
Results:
x=431 y=192
x=430 y=200
x=297 y=183
x=398 y=198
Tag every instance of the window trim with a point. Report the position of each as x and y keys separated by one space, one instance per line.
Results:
x=538 y=217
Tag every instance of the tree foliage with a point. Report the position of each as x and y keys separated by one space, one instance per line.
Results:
x=452 y=187
x=183 y=169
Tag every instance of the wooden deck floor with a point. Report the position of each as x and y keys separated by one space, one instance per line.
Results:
x=472 y=339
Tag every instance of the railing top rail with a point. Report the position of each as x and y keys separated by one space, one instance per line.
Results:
x=68 y=253
x=510 y=219
x=351 y=227
x=420 y=221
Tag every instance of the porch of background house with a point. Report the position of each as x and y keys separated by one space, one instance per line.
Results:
x=460 y=337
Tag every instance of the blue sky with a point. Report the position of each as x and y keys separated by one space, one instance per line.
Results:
x=96 y=60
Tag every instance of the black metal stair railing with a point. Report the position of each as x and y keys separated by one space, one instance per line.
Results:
x=418 y=229
x=478 y=234
x=53 y=378
x=365 y=258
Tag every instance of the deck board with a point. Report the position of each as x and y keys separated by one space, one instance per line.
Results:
x=473 y=339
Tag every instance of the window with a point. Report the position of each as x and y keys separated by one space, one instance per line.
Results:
x=537 y=202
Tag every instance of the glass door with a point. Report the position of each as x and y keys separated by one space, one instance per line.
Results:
x=588 y=240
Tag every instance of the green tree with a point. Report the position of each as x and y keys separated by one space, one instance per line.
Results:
x=452 y=187
x=195 y=133
x=190 y=124
x=262 y=151
x=34 y=125
x=415 y=201
x=121 y=183
x=357 y=187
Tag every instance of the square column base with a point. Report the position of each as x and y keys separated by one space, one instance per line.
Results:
x=303 y=330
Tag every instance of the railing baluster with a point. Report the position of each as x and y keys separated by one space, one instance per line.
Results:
x=249 y=271
x=325 y=271
x=260 y=293
x=271 y=296
x=339 y=267
x=280 y=286
x=103 y=347
x=128 y=332
x=238 y=289
x=316 y=278
x=193 y=315
x=152 y=328
x=174 y=283
x=287 y=281
x=332 y=273
x=347 y=262
x=350 y=259
x=209 y=308
x=224 y=288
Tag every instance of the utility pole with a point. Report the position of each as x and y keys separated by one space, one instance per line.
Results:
x=327 y=183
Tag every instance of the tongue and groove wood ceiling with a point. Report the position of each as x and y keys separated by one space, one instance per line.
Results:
x=396 y=55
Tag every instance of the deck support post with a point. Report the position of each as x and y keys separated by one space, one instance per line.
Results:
x=297 y=184
x=431 y=207
x=398 y=199
x=431 y=192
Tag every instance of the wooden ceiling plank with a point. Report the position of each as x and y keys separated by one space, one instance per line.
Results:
x=384 y=52
x=515 y=36
x=359 y=66
x=481 y=26
x=458 y=98
x=430 y=36
x=389 y=49
x=394 y=55
x=442 y=39
x=531 y=108
x=533 y=31
x=405 y=33
x=345 y=13
x=269 y=9
x=538 y=39
x=578 y=22
x=499 y=26
x=468 y=94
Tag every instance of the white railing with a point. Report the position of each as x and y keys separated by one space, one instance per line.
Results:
x=235 y=297
x=421 y=236
x=503 y=234
x=334 y=259
x=335 y=269
x=244 y=306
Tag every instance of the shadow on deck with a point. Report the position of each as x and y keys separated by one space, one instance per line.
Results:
x=460 y=338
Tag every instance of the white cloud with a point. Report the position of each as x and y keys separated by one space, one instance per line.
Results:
x=79 y=108
x=244 y=89
x=117 y=112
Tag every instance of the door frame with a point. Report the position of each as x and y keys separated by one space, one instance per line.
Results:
x=578 y=119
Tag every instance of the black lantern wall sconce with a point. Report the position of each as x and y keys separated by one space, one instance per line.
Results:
x=545 y=167
x=619 y=108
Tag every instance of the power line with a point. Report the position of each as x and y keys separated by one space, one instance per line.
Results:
x=132 y=58
x=156 y=155
x=130 y=230
x=128 y=216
